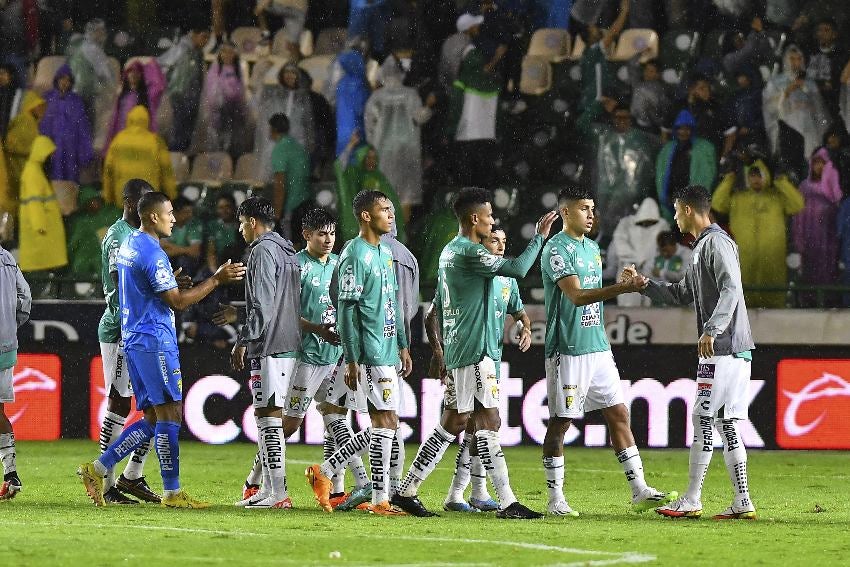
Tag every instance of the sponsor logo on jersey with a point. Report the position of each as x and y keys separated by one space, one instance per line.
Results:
x=591 y=281
x=591 y=315
x=813 y=404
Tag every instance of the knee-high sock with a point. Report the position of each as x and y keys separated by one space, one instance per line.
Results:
x=274 y=450
x=110 y=430
x=337 y=426
x=380 y=450
x=701 y=452
x=255 y=475
x=735 y=455
x=128 y=441
x=136 y=463
x=328 y=448
x=7 y=452
x=633 y=468
x=493 y=459
x=430 y=453
x=168 y=449
x=460 y=480
x=554 y=469
x=478 y=478
x=354 y=447
x=396 y=468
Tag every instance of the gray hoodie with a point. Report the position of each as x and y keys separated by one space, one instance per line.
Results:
x=407 y=277
x=15 y=303
x=712 y=283
x=272 y=298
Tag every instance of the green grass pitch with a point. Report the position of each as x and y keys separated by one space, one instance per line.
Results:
x=53 y=523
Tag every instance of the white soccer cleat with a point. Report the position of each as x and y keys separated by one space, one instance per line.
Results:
x=257 y=496
x=561 y=508
x=270 y=502
x=651 y=498
x=681 y=508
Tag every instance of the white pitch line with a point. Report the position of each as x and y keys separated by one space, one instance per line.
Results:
x=138 y=527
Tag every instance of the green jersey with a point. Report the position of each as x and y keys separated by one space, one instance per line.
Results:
x=109 y=329
x=316 y=307
x=506 y=301
x=572 y=330
x=368 y=305
x=464 y=279
x=190 y=233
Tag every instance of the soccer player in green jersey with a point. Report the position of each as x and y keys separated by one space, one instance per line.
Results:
x=465 y=277
x=374 y=344
x=115 y=375
x=580 y=371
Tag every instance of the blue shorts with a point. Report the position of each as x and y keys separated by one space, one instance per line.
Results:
x=155 y=376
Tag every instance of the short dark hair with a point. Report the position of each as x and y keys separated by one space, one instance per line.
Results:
x=279 y=123
x=317 y=218
x=468 y=199
x=149 y=201
x=227 y=197
x=697 y=78
x=666 y=237
x=498 y=229
x=258 y=208
x=181 y=202
x=573 y=193
x=695 y=196
x=830 y=21
x=134 y=189
x=365 y=200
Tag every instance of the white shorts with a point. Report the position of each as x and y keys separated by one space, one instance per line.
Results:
x=269 y=383
x=723 y=387
x=115 y=372
x=323 y=383
x=585 y=382
x=336 y=392
x=379 y=385
x=7 y=387
x=476 y=383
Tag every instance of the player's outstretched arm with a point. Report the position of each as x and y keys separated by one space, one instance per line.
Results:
x=571 y=287
x=179 y=299
x=669 y=293
x=518 y=267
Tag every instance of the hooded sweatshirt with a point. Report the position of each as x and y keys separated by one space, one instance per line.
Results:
x=712 y=283
x=66 y=123
x=272 y=298
x=15 y=305
x=634 y=243
x=352 y=92
x=42 y=232
x=136 y=152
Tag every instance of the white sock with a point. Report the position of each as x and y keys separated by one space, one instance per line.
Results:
x=735 y=456
x=349 y=450
x=633 y=467
x=255 y=476
x=380 y=450
x=396 y=469
x=429 y=454
x=460 y=480
x=493 y=459
x=554 y=469
x=270 y=435
x=328 y=448
x=701 y=452
x=7 y=452
x=136 y=464
x=478 y=478
x=110 y=431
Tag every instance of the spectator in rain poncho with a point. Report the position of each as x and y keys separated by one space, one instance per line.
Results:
x=352 y=92
x=291 y=96
x=634 y=243
x=370 y=19
x=335 y=70
x=813 y=231
x=451 y=54
x=357 y=170
x=622 y=163
x=794 y=114
x=649 y=97
x=41 y=233
x=94 y=77
x=746 y=110
x=87 y=227
x=141 y=84
x=137 y=153
x=393 y=116
x=758 y=209
x=183 y=65
x=26 y=111
x=65 y=122
x=225 y=123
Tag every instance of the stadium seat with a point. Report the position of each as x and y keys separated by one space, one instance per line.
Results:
x=247 y=170
x=330 y=41
x=45 y=71
x=305 y=43
x=373 y=73
x=634 y=41
x=553 y=44
x=247 y=41
x=318 y=68
x=536 y=75
x=578 y=48
x=265 y=71
x=212 y=168
x=180 y=164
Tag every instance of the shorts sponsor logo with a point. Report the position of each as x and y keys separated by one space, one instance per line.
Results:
x=705 y=372
x=813 y=404
x=478 y=385
x=254 y=363
x=36 y=411
x=163 y=367
x=703 y=389
x=294 y=402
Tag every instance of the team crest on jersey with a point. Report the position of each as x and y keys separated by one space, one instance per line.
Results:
x=569 y=401
x=162 y=275
x=506 y=294
x=386 y=395
x=294 y=402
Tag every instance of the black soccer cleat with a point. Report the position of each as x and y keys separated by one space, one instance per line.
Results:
x=517 y=511
x=114 y=496
x=412 y=505
x=138 y=488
